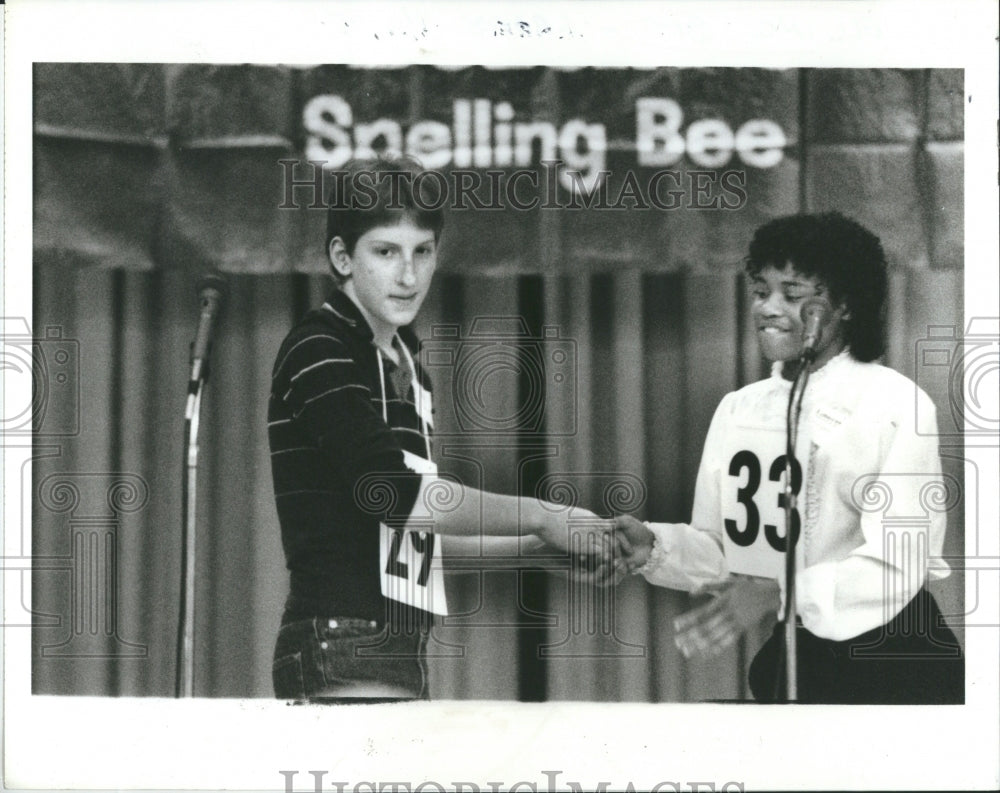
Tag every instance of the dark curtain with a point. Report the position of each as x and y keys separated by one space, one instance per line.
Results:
x=146 y=175
x=655 y=353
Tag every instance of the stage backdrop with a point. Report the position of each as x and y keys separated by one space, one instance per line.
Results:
x=637 y=192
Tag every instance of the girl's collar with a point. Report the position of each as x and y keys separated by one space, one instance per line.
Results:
x=836 y=362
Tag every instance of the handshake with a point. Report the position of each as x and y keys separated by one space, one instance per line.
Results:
x=602 y=551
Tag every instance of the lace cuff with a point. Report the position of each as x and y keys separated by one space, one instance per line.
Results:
x=657 y=556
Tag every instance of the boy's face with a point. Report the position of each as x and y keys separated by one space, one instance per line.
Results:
x=388 y=274
x=778 y=295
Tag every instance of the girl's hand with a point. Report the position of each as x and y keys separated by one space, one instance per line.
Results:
x=733 y=605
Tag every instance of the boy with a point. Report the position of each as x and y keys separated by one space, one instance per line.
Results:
x=869 y=630
x=349 y=423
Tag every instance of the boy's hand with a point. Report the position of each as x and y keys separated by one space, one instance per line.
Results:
x=606 y=569
x=635 y=541
x=585 y=535
x=594 y=567
x=732 y=606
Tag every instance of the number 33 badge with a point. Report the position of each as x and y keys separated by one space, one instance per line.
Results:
x=753 y=502
x=410 y=561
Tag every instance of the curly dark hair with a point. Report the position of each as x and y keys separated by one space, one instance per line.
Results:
x=378 y=191
x=842 y=254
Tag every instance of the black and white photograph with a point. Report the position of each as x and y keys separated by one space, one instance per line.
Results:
x=496 y=399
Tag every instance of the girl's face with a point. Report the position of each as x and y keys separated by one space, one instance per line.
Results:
x=777 y=298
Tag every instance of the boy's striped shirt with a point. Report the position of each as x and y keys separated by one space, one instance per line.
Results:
x=332 y=456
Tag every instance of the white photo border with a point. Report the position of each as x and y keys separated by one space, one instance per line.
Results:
x=103 y=743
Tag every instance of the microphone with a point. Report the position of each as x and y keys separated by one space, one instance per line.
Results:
x=211 y=296
x=815 y=314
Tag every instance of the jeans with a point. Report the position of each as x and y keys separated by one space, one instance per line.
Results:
x=345 y=659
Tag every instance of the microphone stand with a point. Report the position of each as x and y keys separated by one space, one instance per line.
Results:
x=792 y=420
x=212 y=290
x=184 y=684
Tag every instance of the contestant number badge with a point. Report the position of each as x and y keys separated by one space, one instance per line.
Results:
x=753 y=502
x=410 y=561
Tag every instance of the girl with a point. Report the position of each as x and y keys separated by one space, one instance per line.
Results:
x=868 y=629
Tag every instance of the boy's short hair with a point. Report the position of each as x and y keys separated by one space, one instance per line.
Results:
x=379 y=191
x=842 y=254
